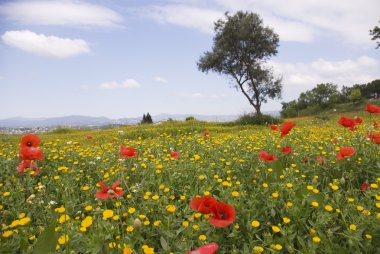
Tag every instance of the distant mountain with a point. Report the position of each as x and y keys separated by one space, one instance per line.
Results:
x=207 y=118
x=20 y=122
x=88 y=121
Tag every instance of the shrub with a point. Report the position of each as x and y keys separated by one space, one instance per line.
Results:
x=62 y=130
x=257 y=120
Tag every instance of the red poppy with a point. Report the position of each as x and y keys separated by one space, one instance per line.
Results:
x=306 y=159
x=374 y=137
x=89 y=137
x=109 y=192
x=174 y=155
x=206 y=133
x=321 y=160
x=364 y=186
x=286 y=150
x=30 y=140
x=224 y=215
x=373 y=109
x=358 y=120
x=205 y=249
x=266 y=157
x=28 y=164
x=347 y=122
x=274 y=127
x=127 y=152
x=286 y=127
x=345 y=152
x=30 y=153
x=203 y=204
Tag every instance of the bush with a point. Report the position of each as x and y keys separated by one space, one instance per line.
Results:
x=62 y=130
x=190 y=118
x=257 y=120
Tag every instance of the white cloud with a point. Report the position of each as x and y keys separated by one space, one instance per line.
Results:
x=299 y=77
x=348 y=20
x=129 y=83
x=293 y=20
x=60 y=13
x=184 y=15
x=160 y=79
x=47 y=46
x=200 y=95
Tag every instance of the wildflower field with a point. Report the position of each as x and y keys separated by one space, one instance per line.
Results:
x=306 y=186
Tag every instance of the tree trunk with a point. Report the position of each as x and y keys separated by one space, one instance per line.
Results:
x=258 y=110
x=256 y=106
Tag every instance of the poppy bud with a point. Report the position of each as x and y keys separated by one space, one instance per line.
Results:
x=137 y=223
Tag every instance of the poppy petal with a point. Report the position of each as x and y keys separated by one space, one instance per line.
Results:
x=102 y=195
x=117 y=183
x=224 y=215
x=103 y=186
x=203 y=204
x=205 y=249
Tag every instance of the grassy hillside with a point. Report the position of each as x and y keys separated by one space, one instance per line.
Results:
x=317 y=110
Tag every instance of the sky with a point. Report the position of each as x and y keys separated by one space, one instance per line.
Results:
x=124 y=58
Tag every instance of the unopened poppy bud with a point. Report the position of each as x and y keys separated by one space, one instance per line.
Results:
x=110 y=191
x=137 y=223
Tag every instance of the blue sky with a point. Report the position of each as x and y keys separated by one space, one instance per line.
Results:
x=123 y=58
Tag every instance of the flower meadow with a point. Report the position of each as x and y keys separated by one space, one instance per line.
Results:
x=306 y=186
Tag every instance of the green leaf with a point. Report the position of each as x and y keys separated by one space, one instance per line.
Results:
x=272 y=212
x=164 y=244
x=301 y=192
x=179 y=231
x=169 y=234
x=301 y=242
x=278 y=170
x=47 y=241
x=24 y=243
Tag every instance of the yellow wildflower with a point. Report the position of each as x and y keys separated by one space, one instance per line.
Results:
x=316 y=239
x=87 y=222
x=275 y=229
x=63 y=239
x=255 y=224
x=171 y=208
x=107 y=214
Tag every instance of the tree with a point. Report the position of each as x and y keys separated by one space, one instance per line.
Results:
x=371 y=90
x=325 y=95
x=242 y=45
x=289 y=109
x=345 y=93
x=147 y=119
x=375 y=33
x=355 y=95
